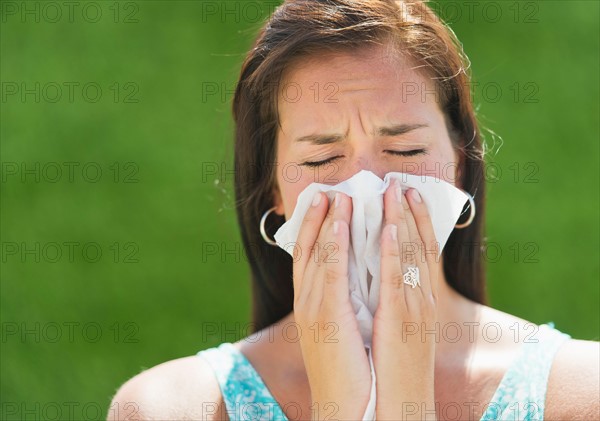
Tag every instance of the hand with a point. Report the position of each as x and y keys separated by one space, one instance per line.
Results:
x=403 y=355
x=334 y=355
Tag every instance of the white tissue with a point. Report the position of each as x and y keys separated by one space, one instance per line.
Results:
x=444 y=203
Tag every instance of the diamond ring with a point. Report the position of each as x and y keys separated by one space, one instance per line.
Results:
x=411 y=277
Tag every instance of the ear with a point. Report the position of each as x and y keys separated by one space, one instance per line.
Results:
x=278 y=201
x=461 y=162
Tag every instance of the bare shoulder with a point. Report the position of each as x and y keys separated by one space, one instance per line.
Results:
x=181 y=389
x=574 y=382
x=573 y=391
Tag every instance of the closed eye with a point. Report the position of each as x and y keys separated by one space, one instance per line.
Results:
x=396 y=153
x=409 y=153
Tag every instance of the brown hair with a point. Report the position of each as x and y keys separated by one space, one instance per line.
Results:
x=303 y=28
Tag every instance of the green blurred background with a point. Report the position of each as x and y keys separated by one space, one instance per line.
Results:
x=76 y=327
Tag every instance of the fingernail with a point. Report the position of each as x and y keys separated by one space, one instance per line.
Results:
x=394 y=231
x=398 y=190
x=336 y=200
x=415 y=195
x=316 y=199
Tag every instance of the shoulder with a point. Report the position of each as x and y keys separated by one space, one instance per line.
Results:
x=185 y=388
x=573 y=388
x=574 y=382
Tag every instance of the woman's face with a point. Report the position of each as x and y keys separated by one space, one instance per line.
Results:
x=355 y=110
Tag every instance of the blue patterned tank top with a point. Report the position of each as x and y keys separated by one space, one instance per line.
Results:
x=520 y=395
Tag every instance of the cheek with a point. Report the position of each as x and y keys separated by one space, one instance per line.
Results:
x=292 y=179
x=442 y=165
x=290 y=192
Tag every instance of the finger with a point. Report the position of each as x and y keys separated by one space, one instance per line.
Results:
x=336 y=288
x=397 y=211
x=307 y=235
x=395 y=214
x=328 y=267
x=417 y=246
x=391 y=290
x=334 y=281
x=429 y=242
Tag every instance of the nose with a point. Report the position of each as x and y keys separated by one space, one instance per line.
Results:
x=366 y=161
x=336 y=177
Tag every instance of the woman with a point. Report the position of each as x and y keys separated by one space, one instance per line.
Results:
x=331 y=88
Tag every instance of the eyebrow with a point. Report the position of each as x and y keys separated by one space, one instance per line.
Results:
x=393 y=130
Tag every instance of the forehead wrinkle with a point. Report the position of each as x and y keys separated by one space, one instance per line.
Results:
x=394 y=68
x=360 y=120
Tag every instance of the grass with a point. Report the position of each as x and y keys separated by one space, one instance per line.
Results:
x=74 y=329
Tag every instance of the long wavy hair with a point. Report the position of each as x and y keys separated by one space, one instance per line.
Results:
x=303 y=28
